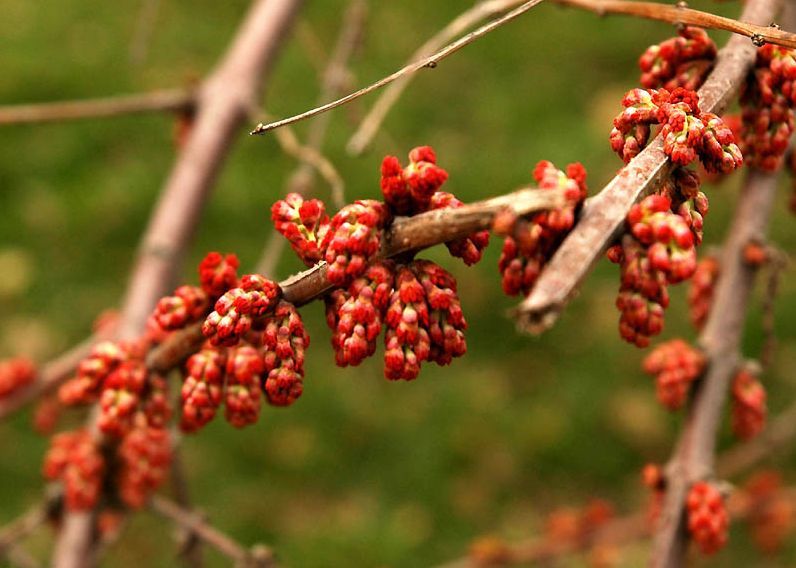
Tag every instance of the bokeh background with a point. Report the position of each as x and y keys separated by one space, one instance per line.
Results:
x=361 y=471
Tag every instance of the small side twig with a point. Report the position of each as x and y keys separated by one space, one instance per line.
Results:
x=464 y=21
x=430 y=62
x=679 y=14
x=258 y=556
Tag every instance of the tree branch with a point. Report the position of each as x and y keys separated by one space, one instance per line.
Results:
x=603 y=216
x=682 y=15
x=430 y=62
x=405 y=234
x=172 y=100
x=694 y=456
x=258 y=556
x=223 y=102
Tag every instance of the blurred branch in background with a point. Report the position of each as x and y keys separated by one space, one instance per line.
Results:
x=144 y=26
x=223 y=101
x=694 y=456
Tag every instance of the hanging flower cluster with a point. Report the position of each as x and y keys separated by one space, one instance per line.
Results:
x=415 y=300
x=530 y=243
x=700 y=292
x=675 y=365
x=748 y=403
x=708 y=520
x=767 y=107
x=681 y=61
x=772 y=514
x=688 y=133
x=658 y=250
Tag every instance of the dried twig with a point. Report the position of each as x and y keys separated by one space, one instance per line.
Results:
x=604 y=215
x=464 y=21
x=680 y=14
x=169 y=100
x=694 y=456
x=301 y=180
x=257 y=556
x=145 y=24
x=431 y=62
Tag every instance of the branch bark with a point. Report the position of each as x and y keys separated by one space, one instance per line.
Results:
x=405 y=234
x=694 y=456
x=603 y=216
x=683 y=15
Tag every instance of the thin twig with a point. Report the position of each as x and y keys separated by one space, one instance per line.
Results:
x=694 y=456
x=603 y=216
x=776 y=264
x=464 y=21
x=257 y=556
x=677 y=14
x=301 y=180
x=431 y=62
x=145 y=24
x=191 y=546
x=19 y=529
x=167 y=100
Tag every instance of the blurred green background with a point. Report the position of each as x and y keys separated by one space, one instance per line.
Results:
x=361 y=471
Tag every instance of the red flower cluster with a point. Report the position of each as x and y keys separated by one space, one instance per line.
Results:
x=416 y=189
x=531 y=243
x=767 y=107
x=408 y=191
x=748 y=403
x=700 y=293
x=255 y=345
x=687 y=132
x=573 y=526
x=682 y=61
x=15 y=374
x=144 y=458
x=675 y=365
x=304 y=223
x=772 y=515
x=658 y=251
x=353 y=238
x=75 y=459
x=355 y=315
x=417 y=303
x=708 y=521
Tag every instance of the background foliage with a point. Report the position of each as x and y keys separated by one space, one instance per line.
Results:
x=360 y=471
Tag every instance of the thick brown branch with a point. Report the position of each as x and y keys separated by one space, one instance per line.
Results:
x=408 y=233
x=430 y=62
x=258 y=556
x=603 y=216
x=683 y=15
x=156 y=101
x=694 y=456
